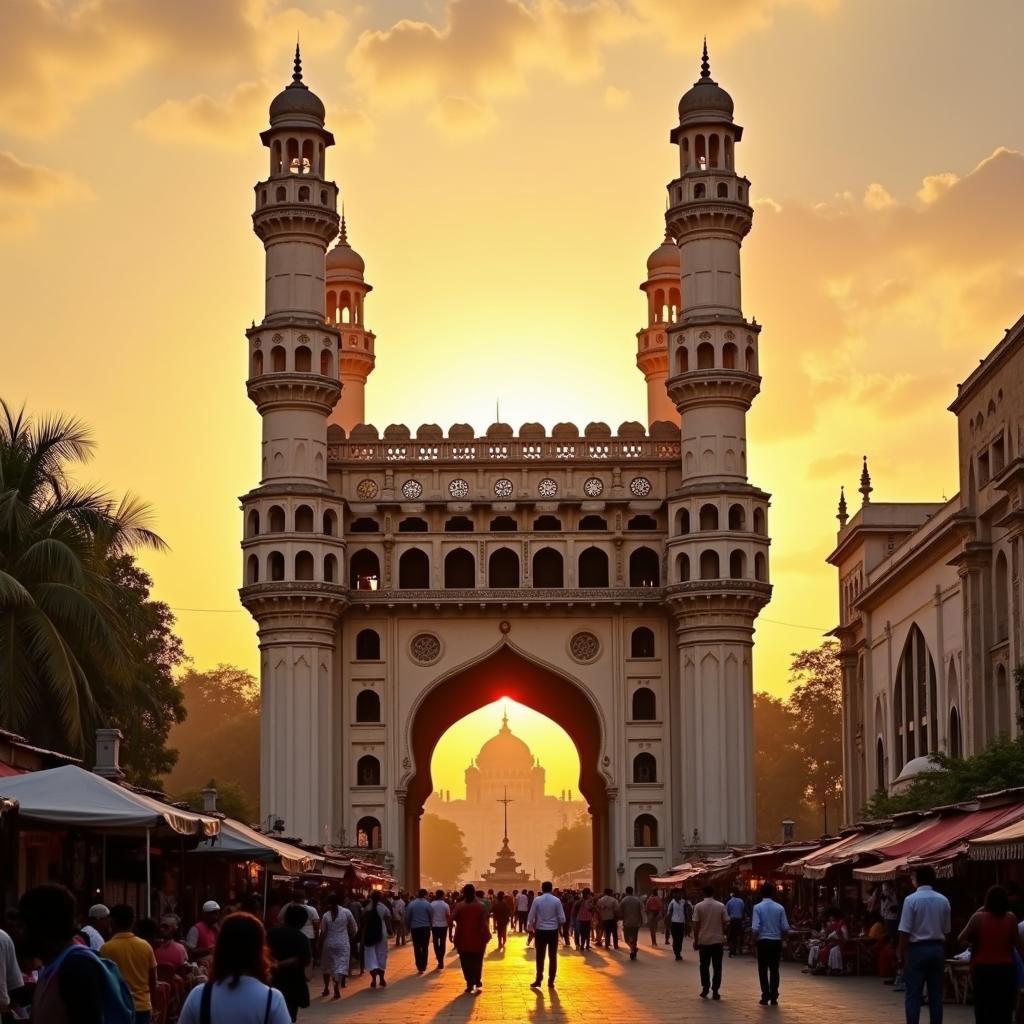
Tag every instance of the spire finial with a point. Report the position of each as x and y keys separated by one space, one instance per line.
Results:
x=504 y=720
x=843 y=516
x=705 y=64
x=343 y=237
x=865 y=483
x=297 y=73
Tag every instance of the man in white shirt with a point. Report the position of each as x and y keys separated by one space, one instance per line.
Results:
x=710 y=923
x=309 y=929
x=676 y=915
x=398 y=918
x=522 y=910
x=924 y=925
x=440 y=919
x=545 y=918
x=97 y=931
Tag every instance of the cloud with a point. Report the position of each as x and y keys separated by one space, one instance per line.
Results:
x=28 y=188
x=616 y=98
x=225 y=121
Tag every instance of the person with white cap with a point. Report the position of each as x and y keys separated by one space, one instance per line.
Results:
x=202 y=936
x=97 y=931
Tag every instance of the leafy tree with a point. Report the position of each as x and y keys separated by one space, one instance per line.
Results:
x=443 y=856
x=999 y=766
x=63 y=637
x=221 y=736
x=231 y=800
x=571 y=849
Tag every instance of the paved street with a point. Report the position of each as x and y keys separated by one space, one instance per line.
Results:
x=607 y=987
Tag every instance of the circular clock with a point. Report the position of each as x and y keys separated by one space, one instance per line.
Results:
x=593 y=488
x=366 y=489
x=412 y=489
x=458 y=488
x=640 y=486
x=547 y=488
x=503 y=488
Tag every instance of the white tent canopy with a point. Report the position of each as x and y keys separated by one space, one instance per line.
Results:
x=75 y=798
x=238 y=840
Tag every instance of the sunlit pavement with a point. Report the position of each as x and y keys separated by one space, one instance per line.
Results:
x=607 y=987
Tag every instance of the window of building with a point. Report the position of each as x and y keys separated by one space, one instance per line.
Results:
x=367 y=645
x=644 y=705
x=412 y=524
x=737 y=565
x=683 y=521
x=709 y=517
x=645 y=769
x=641 y=643
x=737 y=517
x=593 y=568
x=364 y=570
x=547 y=523
x=368 y=771
x=1001 y=586
x=914 y=701
x=275 y=566
x=276 y=517
x=367 y=706
x=642 y=523
x=709 y=569
x=414 y=570
x=645 y=830
x=503 y=569
x=364 y=525
x=368 y=833
x=459 y=570
x=304 y=566
x=548 y=569
x=644 y=568
x=503 y=524
x=593 y=523
x=955 y=739
x=304 y=519
x=458 y=524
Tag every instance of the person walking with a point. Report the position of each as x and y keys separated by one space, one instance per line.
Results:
x=440 y=921
x=291 y=954
x=501 y=911
x=584 y=920
x=545 y=919
x=993 y=936
x=631 y=912
x=676 y=914
x=522 y=909
x=135 y=960
x=653 y=908
x=417 y=920
x=471 y=938
x=337 y=930
x=376 y=929
x=735 y=909
x=97 y=931
x=924 y=925
x=298 y=899
x=608 y=909
x=769 y=926
x=710 y=923
x=398 y=918
x=237 y=991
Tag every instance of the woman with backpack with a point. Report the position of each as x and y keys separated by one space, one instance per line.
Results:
x=376 y=929
x=237 y=992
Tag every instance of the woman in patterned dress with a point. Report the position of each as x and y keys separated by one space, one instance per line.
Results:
x=337 y=929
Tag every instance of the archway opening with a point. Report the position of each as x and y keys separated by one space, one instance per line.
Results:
x=503 y=678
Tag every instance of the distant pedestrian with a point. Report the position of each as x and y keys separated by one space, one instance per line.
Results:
x=292 y=953
x=471 y=938
x=134 y=958
x=522 y=909
x=608 y=909
x=338 y=930
x=769 y=926
x=545 y=920
x=501 y=912
x=924 y=924
x=735 y=909
x=398 y=918
x=653 y=908
x=710 y=922
x=631 y=913
x=994 y=939
x=376 y=929
x=440 y=921
x=97 y=931
x=676 y=915
x=584 y=920
x=417 y=920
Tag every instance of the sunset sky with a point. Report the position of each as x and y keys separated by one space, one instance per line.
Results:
x=503 y=166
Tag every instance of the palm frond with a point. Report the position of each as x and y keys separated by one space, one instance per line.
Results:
x=50 y=559
x=13 y=595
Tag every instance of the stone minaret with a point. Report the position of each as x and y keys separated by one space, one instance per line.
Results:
x=662 y=290
x=293 y=551
x=346 y=294
x=718 y=544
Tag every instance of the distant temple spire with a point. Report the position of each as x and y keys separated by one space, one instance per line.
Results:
x=297 y=73
x=705 y=64
x=865 y=483
x=843 y=517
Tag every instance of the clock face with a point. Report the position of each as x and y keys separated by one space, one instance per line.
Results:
x=593 y=488
x=640 y=486
x=547 y=488
x=503 y=488
x=458 y=488
x=366 y=489
x=412 y=489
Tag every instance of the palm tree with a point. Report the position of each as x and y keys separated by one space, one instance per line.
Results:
x=60 y=631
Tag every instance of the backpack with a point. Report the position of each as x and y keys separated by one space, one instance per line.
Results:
x=118 y=1004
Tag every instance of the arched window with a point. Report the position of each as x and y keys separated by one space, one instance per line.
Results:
x=367 y=706
x=705 y=356
x=880 y=763
x=368 y=835
x=683 y=521
x=330 y=569
x=723 y=190
x=252 y=571
x=503 y=524
x=414 y=570
x=737 y=565
x=304 y=566
x=593 y=523
x=641 y=643
x=737 y=517
x=330 y=523
x=645 y=768
x=253 y=523
x=303 y=193
x=709 y=568
x=642 y=878
x=367 y=645
x=280 y=194
x=325 y=363
x=503 y=569
x=364 y=570
x=642 y=523
x=683 y=568
x=303 y=359
x=699 y=191
x=644 y=568
x=368 y=771
x=364 y=525
x=276 y=517
x=999 y=706
x=713 y=150
x=760 y=568
x=458 y=524
x=956 y=747
x=750 y=360
x=257 y=362
x=593 y=568
x=709 y=517
x=729 y=354
x=275 y=566
x=914 y=698
x=759 y=521
x=304 y=519
x=645 y=830
x=548 y=570
x=459 y=570
x=547 y=523
x=1002 y=594
x=682 y=359
x=644 y=705
x=412 y=524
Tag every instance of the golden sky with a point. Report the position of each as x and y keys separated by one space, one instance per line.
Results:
x=503 y=165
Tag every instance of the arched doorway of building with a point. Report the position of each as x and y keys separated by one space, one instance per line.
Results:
x=506 y=673
x=642 y=878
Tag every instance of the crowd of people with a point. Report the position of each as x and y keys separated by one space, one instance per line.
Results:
x=250 y=962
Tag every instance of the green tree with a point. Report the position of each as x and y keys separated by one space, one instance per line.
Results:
x=231 y=800
x=571 y=849
x=443 y=857
x=221 y=735
x=62 y=635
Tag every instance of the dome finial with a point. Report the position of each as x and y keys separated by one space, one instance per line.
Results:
x=297 y=73
x=705 y=64
x=865 y=483
x=343 y=237
x=504 y=720
x=843 y=516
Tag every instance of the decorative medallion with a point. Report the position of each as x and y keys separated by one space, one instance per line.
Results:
x=640 y=486
x=547 y=488
x=593 y=488
x=584 y=647
x=425 y=648
x=705 y=335
x=412 y=489
x=458 y=488
x=506 y=626
x=366 y=489
x=729 y=335
x=503 y=488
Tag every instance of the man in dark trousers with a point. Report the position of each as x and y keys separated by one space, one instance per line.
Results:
x=545 y=919
x=769 y=926
x=417 y=920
